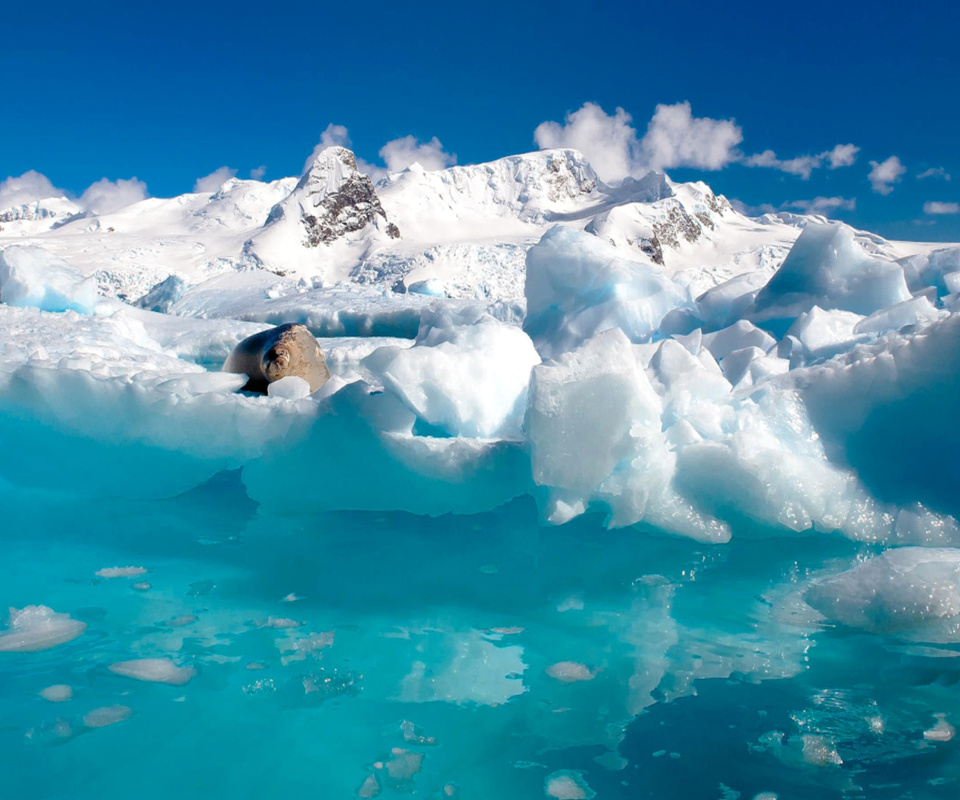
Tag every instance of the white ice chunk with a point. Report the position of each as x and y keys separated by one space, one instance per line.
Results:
x=35 y=628
x=155 y=670
x=292 y=387
x=570 y=672
x=567 y=785
x=467 y=374
x=120 y=572
x=916 y=311
x=595 y=430
x=194 y=383
x=578 y=285
x=30 y=276
x=952 y=282
x=828 y=268
x=737 y=364
x=739 y=335
x=931 y=269
x=899 y=590
x=58 y=693
x=726 y=302
x=588 y=410
x=107 y=715
x=825 y=333
x=431 y=287
x=943 y=731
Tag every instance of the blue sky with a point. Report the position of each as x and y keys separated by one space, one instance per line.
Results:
x=171 y=92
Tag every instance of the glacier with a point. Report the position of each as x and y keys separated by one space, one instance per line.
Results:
x=597 y=467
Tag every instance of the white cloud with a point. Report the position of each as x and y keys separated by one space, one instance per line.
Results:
x=886 y=173
x=213 y=181
x=843 y=155
x=935 y=207
x=26 y=188
x=752 y=211
x=934 y=172
x=608 y=142
x=105 y=196
x=674 y=138
x=257 y=173
x=372 y=171
x=801 y=165
x=401 y=153
x=824 y=205
x=333 y=135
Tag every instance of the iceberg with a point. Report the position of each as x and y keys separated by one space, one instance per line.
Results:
x=30 y=276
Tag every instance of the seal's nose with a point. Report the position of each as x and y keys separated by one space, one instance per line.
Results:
x=277 y=360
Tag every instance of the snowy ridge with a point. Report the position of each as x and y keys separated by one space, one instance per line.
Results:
x=464 y=231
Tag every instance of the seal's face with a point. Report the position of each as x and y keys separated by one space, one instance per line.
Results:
x=275 y=362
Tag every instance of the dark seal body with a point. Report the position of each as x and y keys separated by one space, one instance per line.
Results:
x=277 y=353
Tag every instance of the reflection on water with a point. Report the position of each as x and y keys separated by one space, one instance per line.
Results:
x=370 y=655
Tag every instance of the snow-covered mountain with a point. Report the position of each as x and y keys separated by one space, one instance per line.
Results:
x=462 y=231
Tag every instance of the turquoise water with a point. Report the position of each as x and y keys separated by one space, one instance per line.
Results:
x=427 y=657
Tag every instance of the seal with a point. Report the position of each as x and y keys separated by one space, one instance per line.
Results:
x=277 y=353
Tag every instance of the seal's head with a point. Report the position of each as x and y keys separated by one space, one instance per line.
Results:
x=275 y=362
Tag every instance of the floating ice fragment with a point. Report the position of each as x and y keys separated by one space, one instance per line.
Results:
x=943 y=731
x=567 y=785
x=292 y=387
x=570 y=672
x=59 y=693
x=820 y=751
x=369 y=788
x=107 y=715
x=54 y=732
x=403 y=764
x=413 y=735
x=572 y=603
x=299 y=649
x=120 y=572
x=154 y=670
x=181 y=621
x=142 y=586
x=277 y=623
x=35 y=628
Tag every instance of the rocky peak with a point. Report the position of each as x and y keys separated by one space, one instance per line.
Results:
x=334 y=199
x=568 y=175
